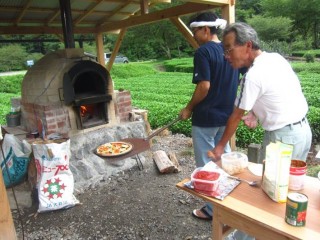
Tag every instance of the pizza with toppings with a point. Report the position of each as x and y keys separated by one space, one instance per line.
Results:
x=113 y=149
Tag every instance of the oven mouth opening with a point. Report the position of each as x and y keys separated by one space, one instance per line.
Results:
x=91 y=115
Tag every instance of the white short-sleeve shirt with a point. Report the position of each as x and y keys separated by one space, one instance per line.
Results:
x=272 y=90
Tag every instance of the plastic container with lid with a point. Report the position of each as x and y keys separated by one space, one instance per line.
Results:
x=205 y=180
x=298 y=170
x=234 y=162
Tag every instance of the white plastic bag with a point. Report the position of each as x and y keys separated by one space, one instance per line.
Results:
x=55 y=180
x=275 y=180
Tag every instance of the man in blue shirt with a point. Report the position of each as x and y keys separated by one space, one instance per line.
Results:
x=213 y=99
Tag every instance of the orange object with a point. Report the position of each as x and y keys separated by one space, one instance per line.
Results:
x=207 y=181
x=205 y=175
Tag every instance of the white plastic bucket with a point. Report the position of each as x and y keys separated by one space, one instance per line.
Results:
x=298 y=170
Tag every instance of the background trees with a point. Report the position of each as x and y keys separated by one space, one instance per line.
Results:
x=305 y=15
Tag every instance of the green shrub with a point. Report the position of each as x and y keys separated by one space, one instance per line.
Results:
x=164 y=94
x=17 y=58
x=11 y=84
x=314 y=121
x=302 y=67
x=300 y=44
x=245 y=135
x=309 y=57
x=301 y=53
x=131 y=70
x=174 y=91
x=280 y=47
x=179 y=65
x=5 y=101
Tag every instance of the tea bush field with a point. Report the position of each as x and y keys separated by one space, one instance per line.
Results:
x=165 y=93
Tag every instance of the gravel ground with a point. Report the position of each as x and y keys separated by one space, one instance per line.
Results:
x=135 y=204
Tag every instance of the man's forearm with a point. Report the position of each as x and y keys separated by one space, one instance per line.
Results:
x=199 y=94
x=231 y=127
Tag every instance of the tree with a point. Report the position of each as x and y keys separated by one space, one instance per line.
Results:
x=271 y=28
x=160 y=40
x=12 y=57
x=245 y=9
x=305 y=15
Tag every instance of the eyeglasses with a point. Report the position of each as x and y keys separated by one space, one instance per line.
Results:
x=228 y=51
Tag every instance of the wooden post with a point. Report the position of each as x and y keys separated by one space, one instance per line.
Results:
x=116 y=48
x=7 y=230
x=100 y=50
x=228 y=13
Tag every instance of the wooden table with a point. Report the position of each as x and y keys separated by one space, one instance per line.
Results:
x=250 y=210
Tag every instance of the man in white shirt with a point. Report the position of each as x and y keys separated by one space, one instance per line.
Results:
x=270 y=93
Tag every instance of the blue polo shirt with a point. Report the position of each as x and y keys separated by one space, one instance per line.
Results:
x=211 y=65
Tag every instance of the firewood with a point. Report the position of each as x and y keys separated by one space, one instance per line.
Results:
x=163 y=162
x=174 y=160
x=32 y=173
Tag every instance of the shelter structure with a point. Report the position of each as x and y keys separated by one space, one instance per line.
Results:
x=64 y=18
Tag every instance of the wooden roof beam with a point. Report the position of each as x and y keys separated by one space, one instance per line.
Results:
x=185 y=31
x=176 y=11
x=22 y=13
x=88 y=12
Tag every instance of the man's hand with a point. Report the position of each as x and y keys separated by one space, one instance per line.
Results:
x=250 y=120
x=185 y=114
x=216 y=153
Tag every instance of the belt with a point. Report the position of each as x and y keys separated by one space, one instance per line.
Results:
x=299 y=122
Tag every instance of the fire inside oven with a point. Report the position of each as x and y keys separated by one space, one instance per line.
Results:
x=85 y=87
x=91 y=115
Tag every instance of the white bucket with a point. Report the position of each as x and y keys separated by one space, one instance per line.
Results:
x=298 y=170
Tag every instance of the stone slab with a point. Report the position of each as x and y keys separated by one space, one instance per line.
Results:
x=22 y=194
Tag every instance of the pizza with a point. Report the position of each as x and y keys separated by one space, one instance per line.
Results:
x=112 y=149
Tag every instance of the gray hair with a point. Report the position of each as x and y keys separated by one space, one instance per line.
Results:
x=243 y=33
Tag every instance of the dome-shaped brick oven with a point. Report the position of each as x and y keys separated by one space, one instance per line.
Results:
x=66 y=91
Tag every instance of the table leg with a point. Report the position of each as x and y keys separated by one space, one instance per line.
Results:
x=217 y=226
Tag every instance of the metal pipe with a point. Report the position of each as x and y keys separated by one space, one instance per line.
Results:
x=66 y=20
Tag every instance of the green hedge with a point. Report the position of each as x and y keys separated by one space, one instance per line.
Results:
x=303 y=67
x=179 y=65
x=164 y=94
x=314 y=52
x=309 y=74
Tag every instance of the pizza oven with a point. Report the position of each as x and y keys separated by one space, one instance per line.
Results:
x=85 y=89
x=65 y=92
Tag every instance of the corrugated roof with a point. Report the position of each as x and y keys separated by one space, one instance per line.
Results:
x=88 y=16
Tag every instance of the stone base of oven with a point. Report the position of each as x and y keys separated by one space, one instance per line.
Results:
x=89 y=169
